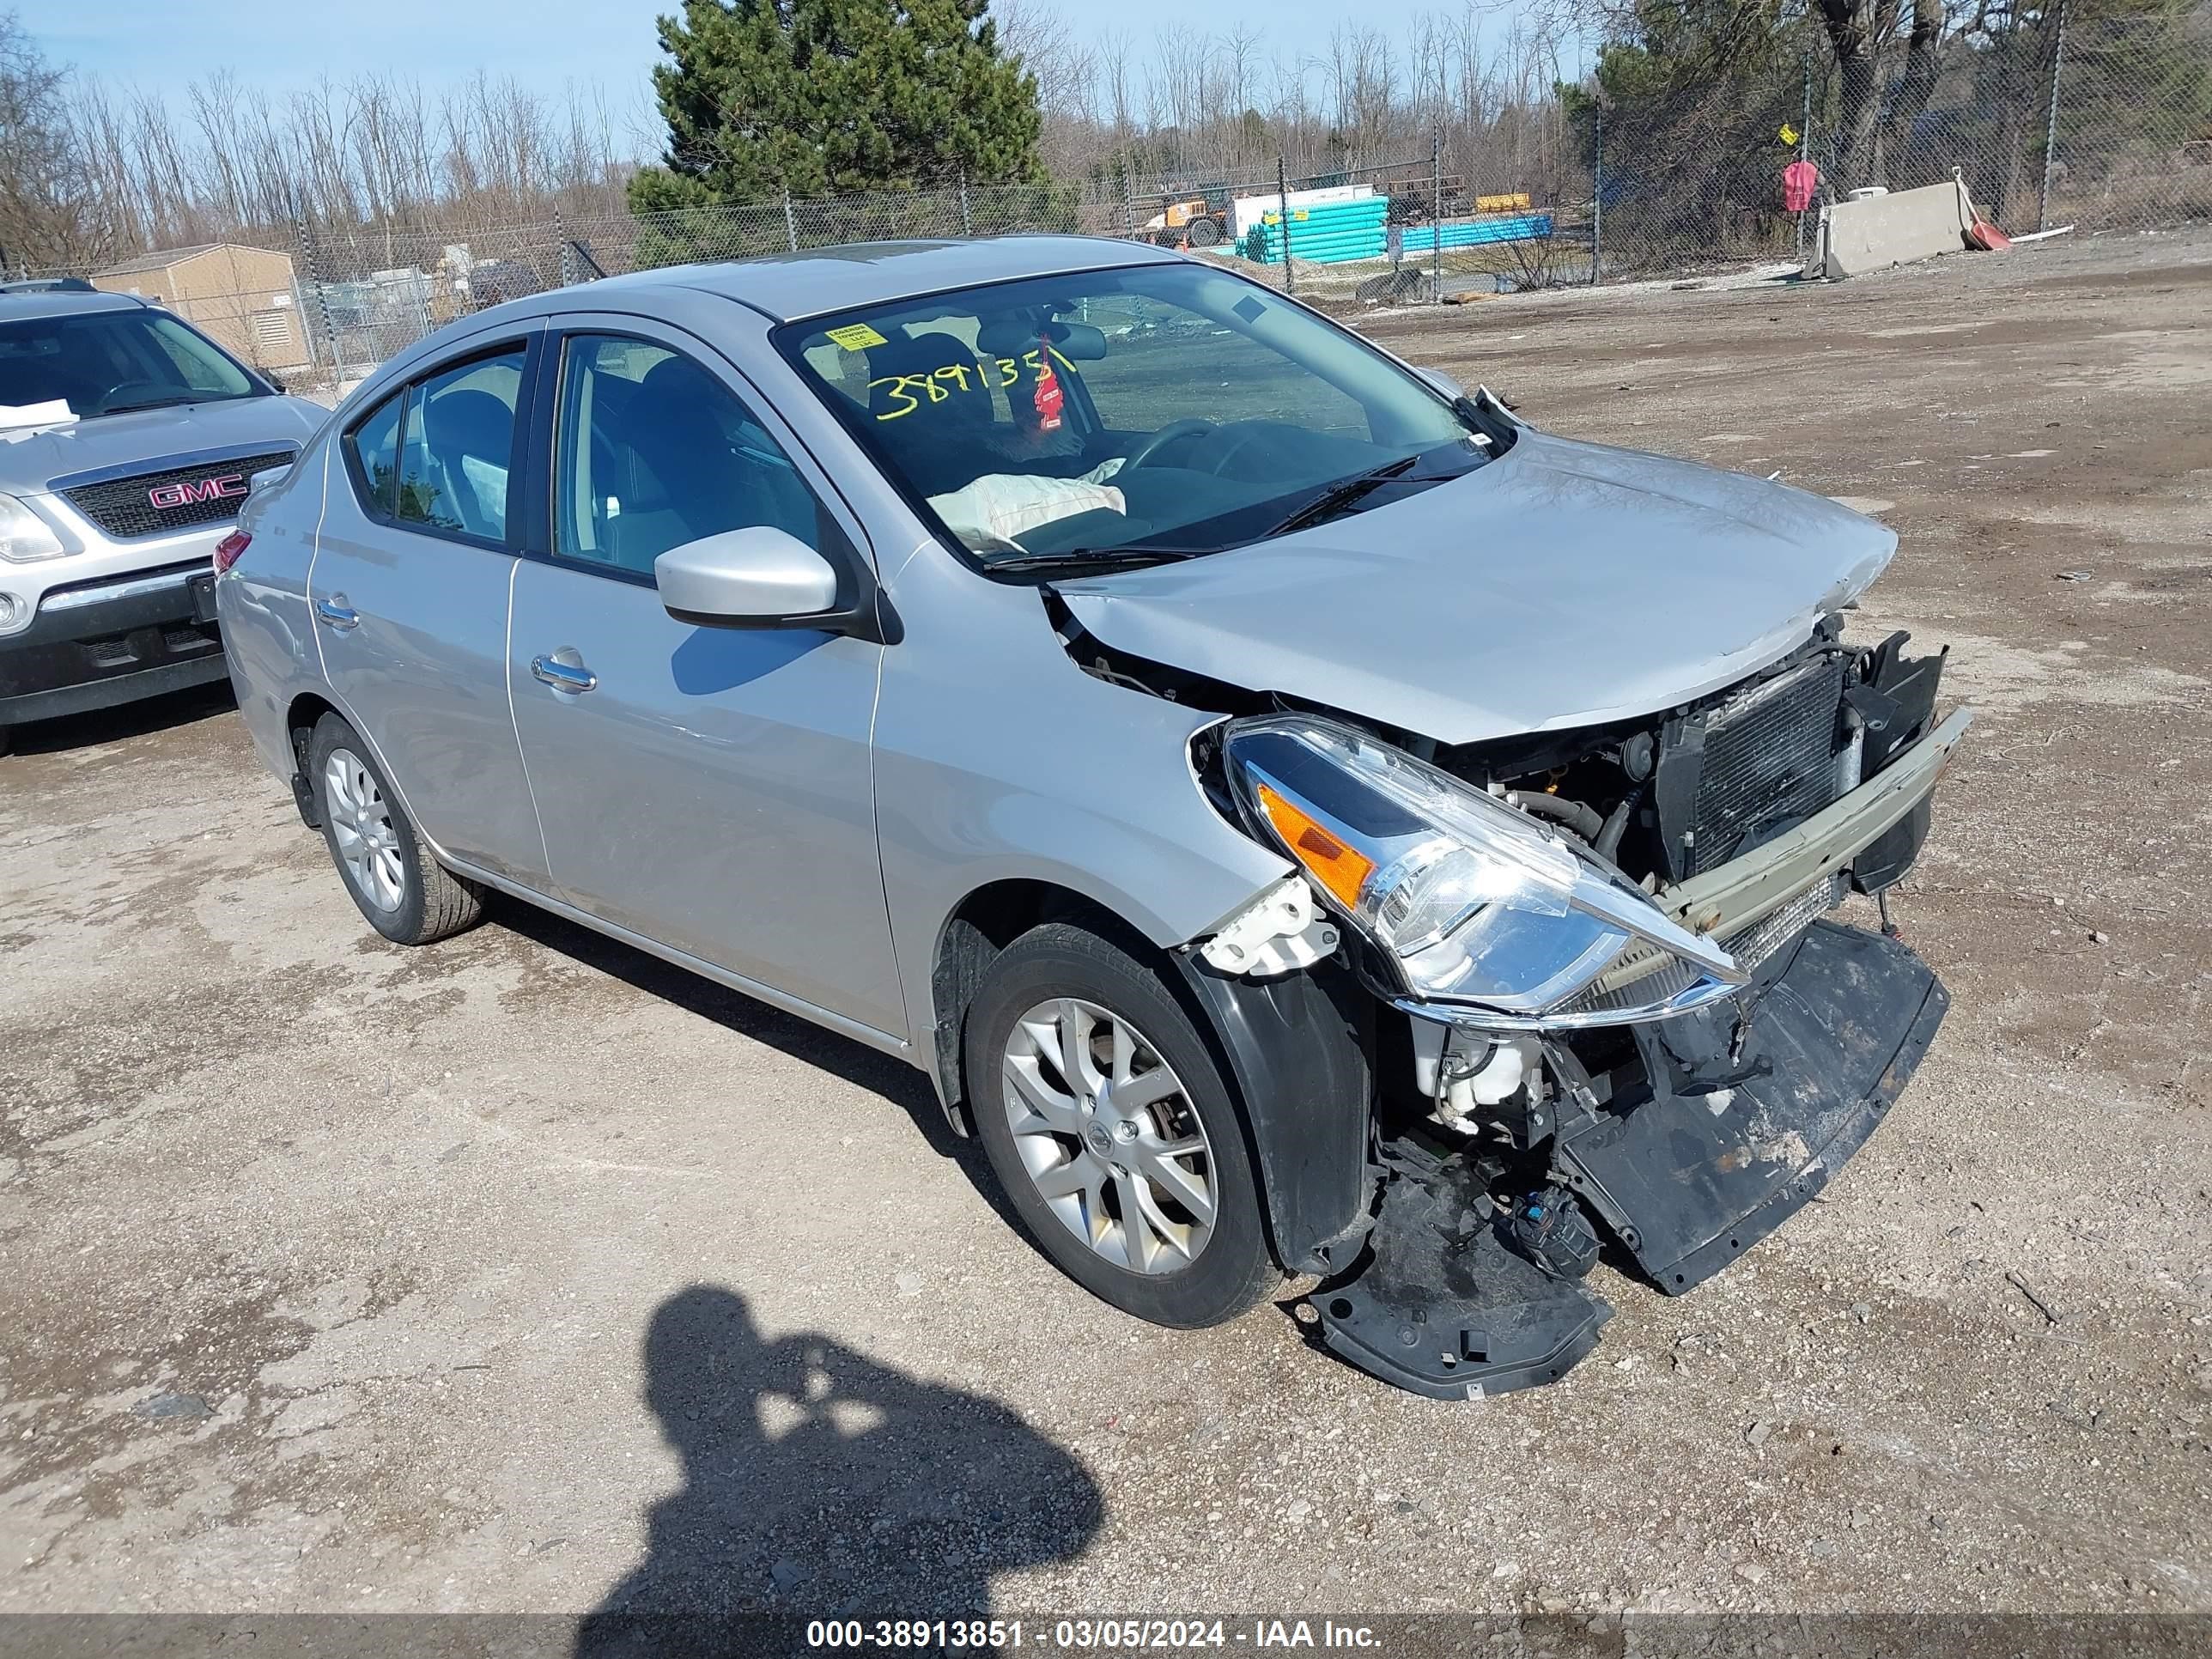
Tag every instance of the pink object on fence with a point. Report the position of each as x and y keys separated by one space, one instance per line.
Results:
x=1799 y=181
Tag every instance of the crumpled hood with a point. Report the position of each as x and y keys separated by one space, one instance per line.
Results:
x=1564 y=585
x=29 y=460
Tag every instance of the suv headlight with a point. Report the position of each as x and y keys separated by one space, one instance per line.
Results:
x=24 y=536
x=1476 y=904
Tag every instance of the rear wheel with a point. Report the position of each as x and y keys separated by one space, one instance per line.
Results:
x=1112 y=1130
x=406 y=894
x=1204 y=233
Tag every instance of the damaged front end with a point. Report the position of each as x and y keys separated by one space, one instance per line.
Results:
x=1625 y=1009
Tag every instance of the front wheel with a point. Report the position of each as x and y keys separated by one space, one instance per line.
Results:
x=1112 y=1130
x=406 y=894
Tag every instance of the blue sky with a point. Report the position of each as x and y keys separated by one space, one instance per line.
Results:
x=161 y=46
x=606 y=43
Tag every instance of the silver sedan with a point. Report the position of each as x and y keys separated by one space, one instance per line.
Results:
x=1305 y=819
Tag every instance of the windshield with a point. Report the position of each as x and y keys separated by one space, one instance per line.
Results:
x=103 y=362
x=1114 y=417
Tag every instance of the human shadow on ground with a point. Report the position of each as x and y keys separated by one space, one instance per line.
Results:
x=820 y=1484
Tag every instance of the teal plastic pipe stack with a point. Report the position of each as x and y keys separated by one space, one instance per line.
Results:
x=1331 y=232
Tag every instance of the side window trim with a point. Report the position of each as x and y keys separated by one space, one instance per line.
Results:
x=519 y=449
x=364 y=493
x=844 y=543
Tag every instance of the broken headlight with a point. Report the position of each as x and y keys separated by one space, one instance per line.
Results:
x=1476 y=904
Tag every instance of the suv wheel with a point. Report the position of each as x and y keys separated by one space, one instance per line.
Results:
x=1113 y=1131
x=407 y=896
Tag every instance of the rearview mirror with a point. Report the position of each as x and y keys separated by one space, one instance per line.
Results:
x=1082 y=343
x=756 y=577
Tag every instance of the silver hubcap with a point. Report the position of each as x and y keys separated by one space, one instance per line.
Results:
x=1106 y=1131
x=361 y=824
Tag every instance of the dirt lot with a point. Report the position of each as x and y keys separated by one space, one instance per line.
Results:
x=346 y=1276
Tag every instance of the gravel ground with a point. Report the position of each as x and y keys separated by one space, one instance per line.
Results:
x=524 y=1273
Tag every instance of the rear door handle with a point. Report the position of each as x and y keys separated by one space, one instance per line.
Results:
x=562 y=676
x=336 y=613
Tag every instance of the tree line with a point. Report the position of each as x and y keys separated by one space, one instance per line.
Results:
x=755 y=100
x=91 y=172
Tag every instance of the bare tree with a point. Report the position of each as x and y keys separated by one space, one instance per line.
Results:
x=50 y=210
x=1856 y=30
x=1115 y=53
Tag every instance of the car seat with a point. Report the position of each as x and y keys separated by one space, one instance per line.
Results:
x=695 y=466
x=461 y=426
x=942 y=443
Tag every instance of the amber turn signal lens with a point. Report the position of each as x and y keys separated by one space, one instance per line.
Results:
x=1328 y=861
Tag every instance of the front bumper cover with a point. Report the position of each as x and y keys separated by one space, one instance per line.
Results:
x=109 y=641
x=1735 y=1137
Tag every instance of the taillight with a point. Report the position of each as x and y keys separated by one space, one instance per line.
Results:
x=228 y=549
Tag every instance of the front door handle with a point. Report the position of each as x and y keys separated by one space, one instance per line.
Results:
x=563 y=676
x=337 y=613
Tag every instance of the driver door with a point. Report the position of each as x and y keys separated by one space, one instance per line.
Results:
x=708 y=788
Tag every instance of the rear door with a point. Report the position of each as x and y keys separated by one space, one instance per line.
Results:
x=409 y=591
x=710 y=789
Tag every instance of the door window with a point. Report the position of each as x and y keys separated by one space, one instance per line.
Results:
x=373 y=447
x=654 y=451
x=457 y=447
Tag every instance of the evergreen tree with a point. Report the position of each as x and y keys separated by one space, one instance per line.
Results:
x=829 y=97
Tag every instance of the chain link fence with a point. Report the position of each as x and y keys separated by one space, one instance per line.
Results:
x=2093 y=118
x=2098 y=116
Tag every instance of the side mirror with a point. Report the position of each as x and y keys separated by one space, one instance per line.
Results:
x=1443 y=382
x=756 y=577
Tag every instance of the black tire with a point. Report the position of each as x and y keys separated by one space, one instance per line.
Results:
x=431 y=901
x=1203 y=233
x=1231 y=1269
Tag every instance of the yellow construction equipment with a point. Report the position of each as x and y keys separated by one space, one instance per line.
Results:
x=1194 y=220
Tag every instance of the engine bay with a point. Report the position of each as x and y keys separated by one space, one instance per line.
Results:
x=1534 y=1147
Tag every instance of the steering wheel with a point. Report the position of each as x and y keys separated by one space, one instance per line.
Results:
x=1143 y=453
x=122 y=387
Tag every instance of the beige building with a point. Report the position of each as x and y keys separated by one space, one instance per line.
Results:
x=242 y=297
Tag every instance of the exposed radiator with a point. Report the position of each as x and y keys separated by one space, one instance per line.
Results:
x=1771 y=756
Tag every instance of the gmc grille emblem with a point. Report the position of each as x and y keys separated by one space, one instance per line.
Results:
x=229 y=486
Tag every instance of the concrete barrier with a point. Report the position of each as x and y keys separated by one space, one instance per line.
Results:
x=1876 y=232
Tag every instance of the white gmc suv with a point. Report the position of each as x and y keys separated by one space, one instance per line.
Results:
x=128 y=441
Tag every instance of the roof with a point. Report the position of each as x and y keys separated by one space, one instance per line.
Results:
x=163 y=258
x=20 y=308
x=789 y=286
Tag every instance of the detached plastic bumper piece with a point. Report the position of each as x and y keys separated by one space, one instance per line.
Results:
x=1738 y=1132
x=1442 y=1307
x=1737 y=1138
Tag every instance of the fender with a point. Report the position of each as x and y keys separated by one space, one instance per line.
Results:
x=1297 y=1049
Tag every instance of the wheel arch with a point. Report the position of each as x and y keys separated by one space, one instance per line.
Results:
x=984 y=923
x=302 y=715
x=1295 y=1052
